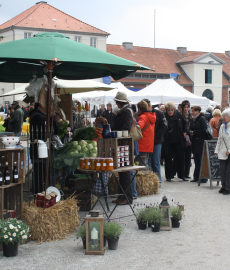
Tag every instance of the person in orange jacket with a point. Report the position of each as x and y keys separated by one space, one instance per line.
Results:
x=146 y=121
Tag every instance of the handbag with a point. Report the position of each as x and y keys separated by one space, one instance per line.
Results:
x=209 y=132
x=135 y=132
x=188 y=141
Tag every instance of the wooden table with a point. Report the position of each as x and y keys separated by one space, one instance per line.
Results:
x=124 y=169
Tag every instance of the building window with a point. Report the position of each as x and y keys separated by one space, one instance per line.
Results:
x=208 y=76
x=27 y=35
x=77 y=38
x=93 y=42
x=208 y=94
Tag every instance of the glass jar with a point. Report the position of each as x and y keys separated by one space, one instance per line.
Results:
x=82 y=163
x=92 y=164
x=87 y=163
x=103 y=164
x=98 y=164
x=109 y=164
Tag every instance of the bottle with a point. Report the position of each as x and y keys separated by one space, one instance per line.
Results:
x=15 y=173
x=1 y=176
x=7 y=175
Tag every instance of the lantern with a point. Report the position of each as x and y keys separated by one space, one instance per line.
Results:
x=166 y=224
x=94 y=233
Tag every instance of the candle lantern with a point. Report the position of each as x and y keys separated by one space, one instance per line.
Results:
x=94 y=233
x=166 y=224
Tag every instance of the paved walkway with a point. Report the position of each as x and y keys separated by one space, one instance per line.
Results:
x=202 y=241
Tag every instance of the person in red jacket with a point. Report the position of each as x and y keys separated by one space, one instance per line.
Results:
x=146 y=121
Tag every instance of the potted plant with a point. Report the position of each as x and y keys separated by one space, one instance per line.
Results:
x=176 y=216
x=12 y=232
x=142 y=218
x=112 y=232
x=155 y=218
x=81 y=232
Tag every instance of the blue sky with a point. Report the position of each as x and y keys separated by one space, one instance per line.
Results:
x=199 y=25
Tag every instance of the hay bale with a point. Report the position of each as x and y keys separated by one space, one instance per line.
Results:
x=54 y=223
x=147 y=183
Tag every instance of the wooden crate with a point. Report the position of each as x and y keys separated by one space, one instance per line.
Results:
x=11 y=196
x=108 y=148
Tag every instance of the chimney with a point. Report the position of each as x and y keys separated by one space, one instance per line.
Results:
x=41 y=2
x=182 y=50
x=228 y=53
x=128 y=45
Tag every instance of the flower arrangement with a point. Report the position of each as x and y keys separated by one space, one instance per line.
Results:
x=13 y=230
x=176 y=212
x=142 y=214
x=112 y=230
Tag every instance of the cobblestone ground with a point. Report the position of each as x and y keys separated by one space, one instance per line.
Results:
x=202 y=241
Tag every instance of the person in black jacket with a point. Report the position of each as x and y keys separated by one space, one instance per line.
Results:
x=37 y=132
x=198 y=126
x=160 y=128
x=109 y=115
x=123 y=121
x=174 y=141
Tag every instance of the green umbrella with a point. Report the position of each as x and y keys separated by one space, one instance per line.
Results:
x=72 y=60
x=61 y=57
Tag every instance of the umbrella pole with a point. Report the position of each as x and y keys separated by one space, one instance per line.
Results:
x=50 y=67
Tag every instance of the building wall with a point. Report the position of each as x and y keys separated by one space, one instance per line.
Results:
x=197 y=73
x=189 y=88
x=225 y=96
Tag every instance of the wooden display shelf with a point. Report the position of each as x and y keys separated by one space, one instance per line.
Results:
x=108 y=148
x=123 y=169
x=11 y=196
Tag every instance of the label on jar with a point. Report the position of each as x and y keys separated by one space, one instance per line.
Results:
x=110 y=164
x=98 y=164
x=0 y=179
x=88 y=163
x=104 y=164
x=126 y=153
x=127 y=163
x=7 y=177
x=15 y=176
x=126 y=158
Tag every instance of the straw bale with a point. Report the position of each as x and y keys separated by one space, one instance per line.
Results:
x=54 y=223
x=147 y=183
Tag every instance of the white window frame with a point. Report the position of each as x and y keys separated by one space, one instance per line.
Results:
x=77 y=38
x=28 y=33
x=93 y=42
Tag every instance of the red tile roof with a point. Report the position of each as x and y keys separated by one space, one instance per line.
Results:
x=161 y=60
x=45 y=16
x=165 y=60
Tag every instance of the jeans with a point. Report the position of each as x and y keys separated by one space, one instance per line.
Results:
x=225 y=173
x=134 y=184
x=155 y=159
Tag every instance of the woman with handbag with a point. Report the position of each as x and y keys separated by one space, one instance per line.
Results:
x=223 y=151
x=188 y=150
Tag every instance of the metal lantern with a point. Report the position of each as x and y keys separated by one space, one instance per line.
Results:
x=94 y=233
x=166 y=224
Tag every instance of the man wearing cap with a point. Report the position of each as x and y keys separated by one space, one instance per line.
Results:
x=160 y=128
x=123 y=121
x=16 y=120
x=109 y=115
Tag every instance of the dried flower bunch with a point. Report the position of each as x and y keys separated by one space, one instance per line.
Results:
x=13 y=230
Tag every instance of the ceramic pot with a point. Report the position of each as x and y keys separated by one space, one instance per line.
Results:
x=10 y=250
x=175 y=223
x=106 y=133
x=113 y=243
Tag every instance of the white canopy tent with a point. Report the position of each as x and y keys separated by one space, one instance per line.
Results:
x=165 y=90
x=68 y=87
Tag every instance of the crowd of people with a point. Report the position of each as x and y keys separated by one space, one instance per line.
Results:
x=172 y=135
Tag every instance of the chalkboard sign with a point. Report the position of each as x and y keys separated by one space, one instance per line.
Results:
x=210 y=165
